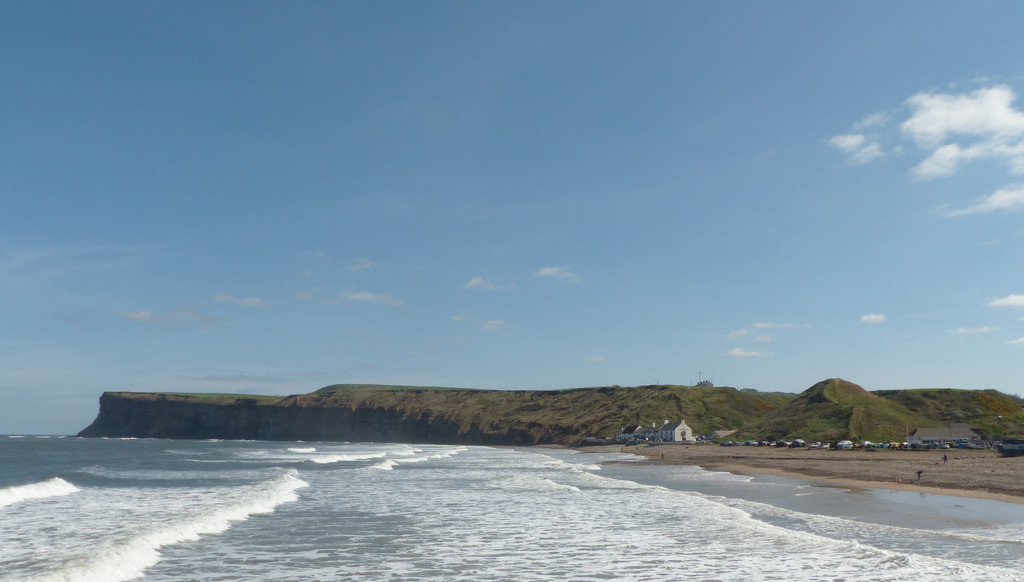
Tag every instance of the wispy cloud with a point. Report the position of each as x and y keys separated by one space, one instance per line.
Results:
x=1015 y=300
x=873 y=318
x=770 y=325
x=1004 y=200
x=348 y=297
x=26 y=269
x=241 y=301
x=595 y=359
x=367 y=297
x=974 y=330
x=362 y=264
x=742 y=353
x=738 y=333
x=1017 y=342
x=857 y=146
x=562 y=273
x=480 y=283
x=141 y=315
x=764 y=338
x=237 y=379
x=188 y=318
x=484 y=324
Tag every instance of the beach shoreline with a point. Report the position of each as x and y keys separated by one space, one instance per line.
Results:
x=978 y=474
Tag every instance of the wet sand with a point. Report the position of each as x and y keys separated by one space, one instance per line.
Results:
x=967 y=473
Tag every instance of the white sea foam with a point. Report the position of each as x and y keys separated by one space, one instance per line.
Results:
x=327 y=459
x=129 y=559
x=301 y=449
x=54 y=487
x=385 y=465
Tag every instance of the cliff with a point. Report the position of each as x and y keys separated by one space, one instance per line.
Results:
x=423 y=415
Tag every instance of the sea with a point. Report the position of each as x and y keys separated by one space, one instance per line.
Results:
x=108 y=510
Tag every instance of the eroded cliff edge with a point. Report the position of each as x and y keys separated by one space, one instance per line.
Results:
x=421 y=415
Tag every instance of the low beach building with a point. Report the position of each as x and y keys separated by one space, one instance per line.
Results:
x=668 y=432
x=627 y=433
x=957 y=432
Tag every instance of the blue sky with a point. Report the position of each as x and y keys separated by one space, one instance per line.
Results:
x=260 y=197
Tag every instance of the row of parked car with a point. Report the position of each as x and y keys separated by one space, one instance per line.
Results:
x=842 y=445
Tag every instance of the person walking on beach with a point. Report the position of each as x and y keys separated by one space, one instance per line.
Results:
x=945 y=458
x=919 y=475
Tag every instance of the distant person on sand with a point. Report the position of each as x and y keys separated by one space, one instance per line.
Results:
x=945 y=458
x=919 y=475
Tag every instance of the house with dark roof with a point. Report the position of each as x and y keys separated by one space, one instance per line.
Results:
x=627 y=433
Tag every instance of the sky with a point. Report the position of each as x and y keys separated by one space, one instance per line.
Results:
x=269 y=198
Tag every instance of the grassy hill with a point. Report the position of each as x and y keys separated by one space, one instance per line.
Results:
x=994 y=413
x=835 y=409
x=579 y=412
x=831 y=410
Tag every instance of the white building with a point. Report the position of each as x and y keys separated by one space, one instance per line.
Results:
x=957 y=432
x=677 y=432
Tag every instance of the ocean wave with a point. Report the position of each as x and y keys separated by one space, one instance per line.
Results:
x=130 y=559
x=54 y=487
x=385 y=465
x=327 y=459
x=301 y=449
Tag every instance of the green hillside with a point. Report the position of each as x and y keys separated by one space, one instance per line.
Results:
x=994 y=413
x=579 y=412
x=830 y=410
x=835 y=409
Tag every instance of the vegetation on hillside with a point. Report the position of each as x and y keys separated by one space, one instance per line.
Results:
x=830 y=410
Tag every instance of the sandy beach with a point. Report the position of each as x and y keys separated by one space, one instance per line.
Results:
x=966 y=473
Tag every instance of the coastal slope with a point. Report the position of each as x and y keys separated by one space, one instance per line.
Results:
x=425 y=415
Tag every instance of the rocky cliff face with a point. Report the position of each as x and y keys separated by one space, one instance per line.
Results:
x=298 y=418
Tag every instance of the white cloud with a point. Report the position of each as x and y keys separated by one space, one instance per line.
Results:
x=873 y=318
x=557 y=273
x=866 y=154
x=188 y=318
x=849 y=143
x=241 y=301
x=1016 y=300
x=986 y=113
x=742 y=353
x=1003 y=200
x=960 y=128
x=769 y=325
x=485 y=324
x=596 y=359
x=764 y=338
x=143 y=315
x=872 y=120
x=1017 y=342
x=361 y=264
x=974 y=330
x=480 y=283
x=738 y=333
x=308 y=294
x=861 y=150
x=367 y=297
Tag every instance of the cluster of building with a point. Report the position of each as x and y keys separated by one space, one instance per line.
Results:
x=670 y=432
x=679 y=432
